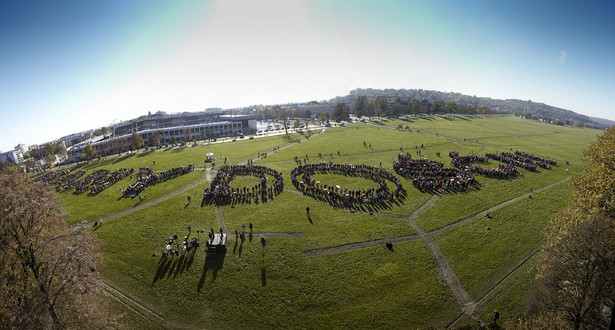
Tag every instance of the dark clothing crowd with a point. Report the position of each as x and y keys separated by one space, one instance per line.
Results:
x=221 y=192
x=464 y=163
x=430 y=175
x=101 y=180
x=146 y=177
x=523 y=159
x=301 y=177
x=63 y=180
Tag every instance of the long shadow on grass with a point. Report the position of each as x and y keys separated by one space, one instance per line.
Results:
x=213 y=262
x=355 y=204
x=169 y=265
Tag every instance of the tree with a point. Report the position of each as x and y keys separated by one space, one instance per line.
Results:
x=340 y=112
x=49 y=273
x=89 y=151
x=9 y=167
x=136 y=141
x=437 y=107
x=322 y=116
x=50 y=160
x=451 y=107
x=297 y=123
x=575 y=278
x=382 y=107
x=172 y=140
x=358 y=107
x=155 y=139
x=50 y=149
x=307 y=114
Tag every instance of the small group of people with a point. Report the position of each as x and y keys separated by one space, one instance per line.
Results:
x=301 y=177
x=173 y=246
x=221 y=192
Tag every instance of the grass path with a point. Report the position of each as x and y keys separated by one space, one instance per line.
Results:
x=461 y=295
x=358 y=245
x=134 y=305
x=483 y=299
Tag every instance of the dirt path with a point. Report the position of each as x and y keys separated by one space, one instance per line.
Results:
x=141 y=206
x=283 y=234
x=220 y=218
x=358 y=245
x=483 y=299
x=461 y=295
x=135 y=306
x=493 y=209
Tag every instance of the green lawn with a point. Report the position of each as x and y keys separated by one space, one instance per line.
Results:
x=278 y=286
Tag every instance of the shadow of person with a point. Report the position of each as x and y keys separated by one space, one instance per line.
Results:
x=310 y=219
x=250 y=236
x=263 y=276
x=161 y=268
x=390 y=246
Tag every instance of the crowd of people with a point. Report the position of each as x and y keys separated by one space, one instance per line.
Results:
x=221 y=192
x=464 y=163
x=50 y=176
x=523 y=160
x=146 y=177
x=301 y=177
x=101 y=180
x=63 y=180
x=68 y=180
x=430 y=175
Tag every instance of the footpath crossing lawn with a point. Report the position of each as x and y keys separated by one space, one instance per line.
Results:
x=278 y=285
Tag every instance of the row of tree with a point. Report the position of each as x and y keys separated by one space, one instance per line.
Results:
x=526 y=108
x=384 y=107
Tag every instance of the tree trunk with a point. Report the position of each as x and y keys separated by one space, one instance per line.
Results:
x=612 y=325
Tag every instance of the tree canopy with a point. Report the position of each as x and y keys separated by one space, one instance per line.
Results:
x=48 y=277
x=136 y=141
x=575 y=278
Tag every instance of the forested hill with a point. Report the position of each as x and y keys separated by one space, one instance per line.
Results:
x=528 y=109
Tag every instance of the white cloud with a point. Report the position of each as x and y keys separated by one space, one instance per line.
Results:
x=562 y=56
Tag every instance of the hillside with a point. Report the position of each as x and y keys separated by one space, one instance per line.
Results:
x=528 y=109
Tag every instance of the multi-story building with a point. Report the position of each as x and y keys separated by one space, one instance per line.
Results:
x=14 y=156
x=166 y=128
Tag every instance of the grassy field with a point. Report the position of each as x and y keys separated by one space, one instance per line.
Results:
x=332 y=269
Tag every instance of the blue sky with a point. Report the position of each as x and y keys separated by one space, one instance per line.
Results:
x=68 y=66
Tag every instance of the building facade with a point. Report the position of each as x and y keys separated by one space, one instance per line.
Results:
x=163 y=128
